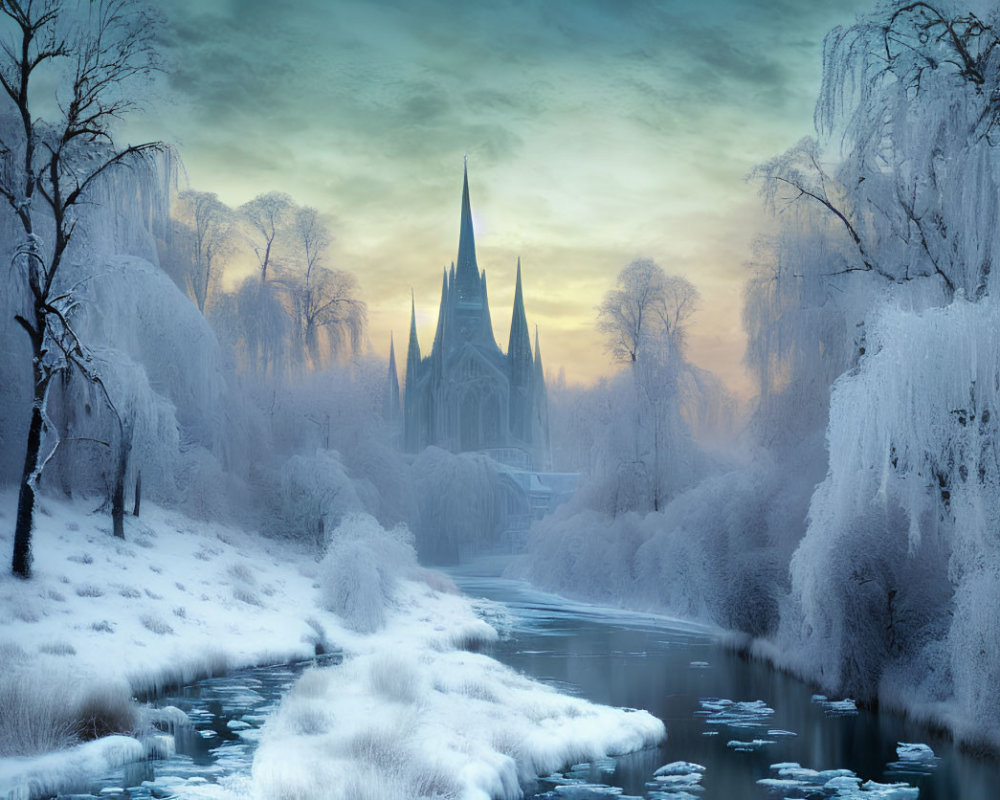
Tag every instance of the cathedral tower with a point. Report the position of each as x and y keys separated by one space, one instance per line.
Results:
x=467 y=394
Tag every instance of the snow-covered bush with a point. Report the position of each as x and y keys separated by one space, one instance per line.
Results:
x=360 y=571
x=315 y=494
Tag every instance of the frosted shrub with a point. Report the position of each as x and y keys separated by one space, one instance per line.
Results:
x=361 y=568
x=316 y=492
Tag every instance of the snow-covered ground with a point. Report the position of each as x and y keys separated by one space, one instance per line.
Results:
x=410 y=712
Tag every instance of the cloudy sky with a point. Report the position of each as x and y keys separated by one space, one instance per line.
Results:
x=597 y=131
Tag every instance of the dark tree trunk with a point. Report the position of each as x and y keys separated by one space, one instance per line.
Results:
x=118 y=491
x=21 y=563
x=138 y=494
x=66 y=409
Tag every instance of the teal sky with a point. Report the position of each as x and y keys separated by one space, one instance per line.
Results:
x=597 y=131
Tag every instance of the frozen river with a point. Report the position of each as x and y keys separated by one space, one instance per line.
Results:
x=733 y=718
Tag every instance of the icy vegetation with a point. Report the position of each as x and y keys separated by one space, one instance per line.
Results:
x=851 y=533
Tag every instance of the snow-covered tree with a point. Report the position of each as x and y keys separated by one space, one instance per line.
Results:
x=331 y=317
x=645 y=306
x=52 y=163
x=205 y=231
x=644 y=319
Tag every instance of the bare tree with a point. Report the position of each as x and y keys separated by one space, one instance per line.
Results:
x=326 y=298
x=209 y=223
x=50 y=167
x=645 y=303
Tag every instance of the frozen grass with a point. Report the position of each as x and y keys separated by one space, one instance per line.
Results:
x=43 y=712
x=33 y=714
x=152 y=623
x=57 y=649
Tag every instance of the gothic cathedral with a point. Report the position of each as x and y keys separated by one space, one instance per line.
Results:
x=467 y=394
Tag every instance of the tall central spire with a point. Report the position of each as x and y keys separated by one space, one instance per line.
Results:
x=467 y=270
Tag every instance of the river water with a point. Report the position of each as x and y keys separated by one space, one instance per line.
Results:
x=709 y=698
x=733 y=717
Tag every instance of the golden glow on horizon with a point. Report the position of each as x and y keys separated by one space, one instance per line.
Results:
x=597 y=133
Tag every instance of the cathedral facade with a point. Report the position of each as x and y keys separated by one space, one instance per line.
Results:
x=467 y=394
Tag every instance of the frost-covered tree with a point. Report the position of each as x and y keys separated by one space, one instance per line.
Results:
x=330 y=314
x=206 y=229
x=644 y=319
x=53 y=161
x=267 y=218
x=645 y=306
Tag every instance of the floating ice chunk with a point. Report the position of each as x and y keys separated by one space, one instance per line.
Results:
x=742 y=714
x=836 y=708
x=840 y=783
x=238 y=725
x=688 y=781
x=679 y=768
x=747 y=747
x=829 y=774
x=798 y=773
x=670 y=794
x=699 y=665
x=914 y=759
x=914 y=752
x=678 y=776
x=779 y=732
x=889 y=791
x=843 y=784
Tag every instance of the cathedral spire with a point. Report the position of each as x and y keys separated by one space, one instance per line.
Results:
x=413 y=352
x=412 y=434
x=390 y=404
x=519 y=345
x=467 y=271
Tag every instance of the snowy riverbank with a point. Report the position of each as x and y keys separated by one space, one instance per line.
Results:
x=103 y=620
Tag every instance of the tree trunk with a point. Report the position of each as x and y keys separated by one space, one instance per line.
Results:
x=21 y=563
x=118 y=492
x=65 y=469
x=138 y=494
x=118 y=508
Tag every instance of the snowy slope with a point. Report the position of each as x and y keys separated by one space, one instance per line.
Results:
x=102 y=620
